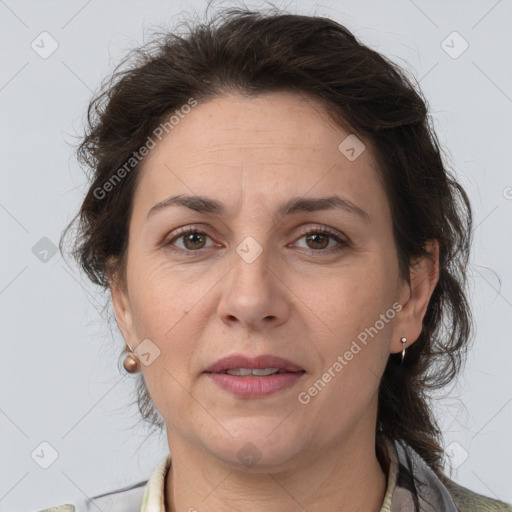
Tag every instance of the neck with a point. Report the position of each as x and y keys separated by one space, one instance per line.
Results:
x=346 y=477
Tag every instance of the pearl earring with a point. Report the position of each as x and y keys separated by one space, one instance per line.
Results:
x=131 y=363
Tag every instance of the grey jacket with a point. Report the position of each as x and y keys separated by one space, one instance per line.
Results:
x=433 y=495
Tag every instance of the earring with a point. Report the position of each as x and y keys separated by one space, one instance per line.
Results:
x=404 y=341
x=131 y=363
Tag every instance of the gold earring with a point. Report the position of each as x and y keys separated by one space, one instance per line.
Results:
x=131 y=363
x=404 y=341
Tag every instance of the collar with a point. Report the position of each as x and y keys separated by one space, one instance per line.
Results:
x=153 y=499
x=403 y=463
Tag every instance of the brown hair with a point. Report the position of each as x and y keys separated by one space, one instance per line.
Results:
x=259 y=52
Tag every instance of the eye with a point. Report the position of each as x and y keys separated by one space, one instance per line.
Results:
x=318 y=240
x=193 y=239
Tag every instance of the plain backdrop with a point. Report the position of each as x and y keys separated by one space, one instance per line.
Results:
x=60 y=381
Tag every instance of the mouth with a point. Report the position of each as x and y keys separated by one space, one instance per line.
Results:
x=254 y=377
x=241 y=365
x=255 y=372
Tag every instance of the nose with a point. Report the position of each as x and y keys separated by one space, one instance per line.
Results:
x=253 y=294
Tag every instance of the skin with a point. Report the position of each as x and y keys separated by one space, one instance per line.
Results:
x=295 y=300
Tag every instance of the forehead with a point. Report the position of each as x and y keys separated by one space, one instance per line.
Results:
x=277 y=124
x=261 y=147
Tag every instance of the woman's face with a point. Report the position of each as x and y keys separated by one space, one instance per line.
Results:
x=255 y=280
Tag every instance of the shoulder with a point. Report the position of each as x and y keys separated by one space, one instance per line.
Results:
x=469 y=501
x=134 y=498
x=436 y=491
x=122 y=500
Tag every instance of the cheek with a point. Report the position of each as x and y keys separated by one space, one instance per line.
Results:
x=161 y=313
x=168 y=308
x=351 y=295
x=157 y=297
x=346 y=319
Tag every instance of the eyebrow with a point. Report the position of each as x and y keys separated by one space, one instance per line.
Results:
x=294 y=205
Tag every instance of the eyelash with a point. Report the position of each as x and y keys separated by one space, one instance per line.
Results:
x=320 y=230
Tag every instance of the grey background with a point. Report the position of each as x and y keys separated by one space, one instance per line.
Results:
x=60 y=381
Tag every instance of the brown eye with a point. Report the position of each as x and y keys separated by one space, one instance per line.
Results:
x=192 y=240
x=319 y=240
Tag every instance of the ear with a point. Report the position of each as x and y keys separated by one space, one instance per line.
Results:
x=121 y=304
x=414 y=298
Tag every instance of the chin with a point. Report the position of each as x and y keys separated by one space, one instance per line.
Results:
x=257 y=445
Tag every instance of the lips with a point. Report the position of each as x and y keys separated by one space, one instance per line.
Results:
x=256 y=383
x=260 y=362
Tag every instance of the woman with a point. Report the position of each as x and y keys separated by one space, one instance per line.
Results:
x=283 y=245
